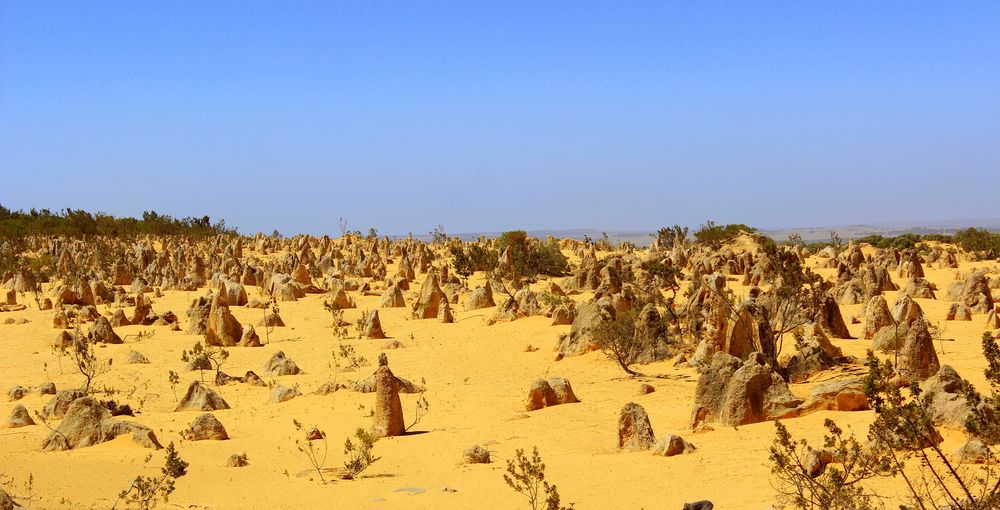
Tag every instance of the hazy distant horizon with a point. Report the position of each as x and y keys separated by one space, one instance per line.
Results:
x=493 y=117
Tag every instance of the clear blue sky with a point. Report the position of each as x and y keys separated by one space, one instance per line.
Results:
x=495 y=115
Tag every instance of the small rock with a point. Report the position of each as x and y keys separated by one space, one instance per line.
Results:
x=19 y=417
x=237 y=460
x=282 y=394
x=672 y=445
x=206 y=427
x=135 y=357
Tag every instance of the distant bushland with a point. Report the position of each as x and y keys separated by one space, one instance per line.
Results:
x=77 y=222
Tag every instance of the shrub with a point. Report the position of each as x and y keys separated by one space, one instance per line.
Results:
x=805 y=481
x=467 y=259
x=978 y=240
x=359 y=453
x=618 y=340
x=527 y=477
x=668 y=237
x=714 y=235
x=144 y=491
x=314 y=447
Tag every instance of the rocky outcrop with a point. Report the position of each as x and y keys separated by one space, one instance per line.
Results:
x=733 y=393
x=88 y=423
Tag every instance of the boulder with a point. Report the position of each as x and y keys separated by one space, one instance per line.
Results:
x=282 y=394
x=206 y=427
x=392 y=298
x=906 y=310
x=6 y=502
x=563 y=315
x=57 y=406
x=973 y=451
x=281 y=365
x=734 y=394
x=88 y=423
x=119 y=319
x=222 y=329
x=237 y=460
x=843 y=395
x=974 y=292
x=635 y=433
x=877 y=316
x=102 y=332
x=141 y=311
x=948 y=405
x=431 y=296
x=201 y=398
x=19 y=417
x=672 y=445
x=271 y=320
x=551 y=392
x=831 y=320
x=918 y=288
x=918 y=359
x=588 y=315
x=17 y=392
x=958 y=312
x=480 y=297
x=373 y=327
x=233 y=293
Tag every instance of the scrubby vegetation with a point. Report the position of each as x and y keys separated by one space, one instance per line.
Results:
x=714 y=235
x=145 y=491
x=359 y=453
x=77 y=222
x=903 y=442
x=527 y=477
x=531 y=257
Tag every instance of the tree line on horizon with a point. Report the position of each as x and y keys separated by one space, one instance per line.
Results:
x=78 y=222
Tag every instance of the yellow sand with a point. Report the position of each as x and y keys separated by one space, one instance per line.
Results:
x=477 y=378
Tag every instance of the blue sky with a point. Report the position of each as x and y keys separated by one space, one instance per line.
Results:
x=486 y=116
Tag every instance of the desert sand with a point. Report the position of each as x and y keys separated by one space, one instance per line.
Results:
x=476 y=377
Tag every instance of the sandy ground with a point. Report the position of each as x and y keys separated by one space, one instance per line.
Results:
x=477 y=377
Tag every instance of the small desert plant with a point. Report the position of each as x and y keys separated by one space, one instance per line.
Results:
x=347 y=357
x=85 y=359
x=527 y=477
x=618 y=340
x=144 y=491
x=311 y=447
x=204 y=358
x=359 y=454
x=174 y=379
x=439 y=235
x=420 y=409
x=550 y=299
x=668 y=237
x=361 y=324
